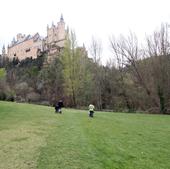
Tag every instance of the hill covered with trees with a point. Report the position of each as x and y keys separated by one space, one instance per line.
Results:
x=139 y=80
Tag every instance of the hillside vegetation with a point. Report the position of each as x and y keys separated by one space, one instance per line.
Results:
x=33 y=136
x=136 y=78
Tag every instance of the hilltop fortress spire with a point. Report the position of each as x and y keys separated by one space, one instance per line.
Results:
x=61 y=18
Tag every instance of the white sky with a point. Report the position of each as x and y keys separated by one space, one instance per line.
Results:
x=98 y=18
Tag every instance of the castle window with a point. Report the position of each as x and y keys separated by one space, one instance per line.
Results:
x=15 y=54
x=27 y=50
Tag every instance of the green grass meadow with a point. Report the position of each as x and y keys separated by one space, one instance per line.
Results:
x=34 y=137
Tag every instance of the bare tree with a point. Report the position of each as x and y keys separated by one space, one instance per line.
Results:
x=158 y=49
x=96 y=51
x=121 y=61
x=128 y=56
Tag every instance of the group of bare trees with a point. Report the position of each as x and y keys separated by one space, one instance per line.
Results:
x=148 y=68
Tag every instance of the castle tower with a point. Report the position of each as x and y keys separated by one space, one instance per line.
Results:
x=3 y=56
x=56 y=34
x=3 y=51
x=61 y=28
x=61 y=18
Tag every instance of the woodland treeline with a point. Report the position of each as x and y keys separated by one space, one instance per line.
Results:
x=137 y=78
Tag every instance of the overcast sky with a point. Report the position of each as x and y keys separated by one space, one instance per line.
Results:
x=98 y=18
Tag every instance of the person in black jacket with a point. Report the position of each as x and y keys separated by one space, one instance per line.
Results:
x=58 y=106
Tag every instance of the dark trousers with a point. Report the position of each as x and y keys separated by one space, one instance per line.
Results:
x=58 y=109
x=91 y=113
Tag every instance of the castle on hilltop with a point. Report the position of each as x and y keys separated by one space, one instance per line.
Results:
x=31 y=46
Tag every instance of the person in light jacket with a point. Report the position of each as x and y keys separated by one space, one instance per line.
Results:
x=91 y=110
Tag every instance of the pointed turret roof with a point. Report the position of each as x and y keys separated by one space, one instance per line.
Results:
x=61 y=18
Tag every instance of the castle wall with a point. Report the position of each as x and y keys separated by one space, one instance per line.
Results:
x=25 y=49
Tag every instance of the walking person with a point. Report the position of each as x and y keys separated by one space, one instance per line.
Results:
x=91 y=110
x=58 y=107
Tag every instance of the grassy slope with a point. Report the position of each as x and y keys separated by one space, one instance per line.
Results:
x=23 y=130
x=34 y=137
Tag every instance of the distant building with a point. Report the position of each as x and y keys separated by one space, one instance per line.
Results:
x=25 y=46
x=30 y=46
